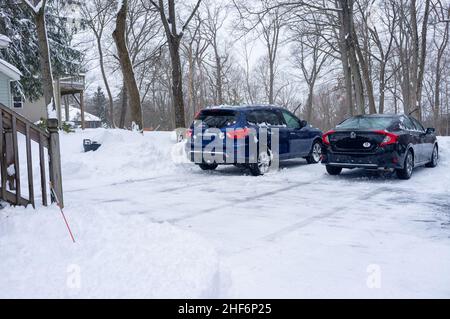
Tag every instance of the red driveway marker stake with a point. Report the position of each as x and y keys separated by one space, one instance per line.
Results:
x=62 y=213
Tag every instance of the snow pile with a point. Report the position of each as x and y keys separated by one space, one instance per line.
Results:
x=444 y=151
x=114 y=256
x=119 y=253
x=148 y=227
x=123 y=156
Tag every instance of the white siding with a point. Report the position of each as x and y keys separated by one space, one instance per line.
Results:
x=5 y=90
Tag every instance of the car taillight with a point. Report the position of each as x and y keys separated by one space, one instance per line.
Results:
x=238 y=134
x=189 y=132
x=389 y=138
x=325 y=137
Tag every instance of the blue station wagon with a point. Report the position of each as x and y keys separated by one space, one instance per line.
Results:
x=252 y=137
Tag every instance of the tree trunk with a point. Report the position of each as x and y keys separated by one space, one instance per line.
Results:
x=127 y=67
x=437 y=88
x=357 y=81
x=418 y=56
x=177 y=83
x=105 y=81
x=123 y=109
x=44 y=58
x=271 y=80
x=348 y=34
x=437 y=102
x=382 y=87
x=366 y=74
x=218 y=76
x=309 y=103
x=423 y=53
x=347 y=74
x=191 y=103
x=66 y=108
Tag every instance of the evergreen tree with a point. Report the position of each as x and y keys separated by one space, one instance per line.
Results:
x=17 y=23
x=99 y=104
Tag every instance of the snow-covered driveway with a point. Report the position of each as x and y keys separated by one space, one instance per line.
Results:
x=293 y=233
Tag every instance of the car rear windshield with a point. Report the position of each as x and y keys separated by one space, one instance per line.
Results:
x=216 y=118
x=366 y=123
x=263 y=118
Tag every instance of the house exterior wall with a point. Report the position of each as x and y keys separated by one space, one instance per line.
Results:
x=33 y=111
x=5 y=90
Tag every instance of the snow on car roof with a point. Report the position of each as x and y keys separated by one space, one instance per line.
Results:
x=245 y=106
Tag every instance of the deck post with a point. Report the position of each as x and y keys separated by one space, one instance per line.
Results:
x=83 y=125
x=55 y=161
x=58 y=101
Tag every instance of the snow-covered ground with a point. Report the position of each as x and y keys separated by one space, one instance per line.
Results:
x=148 y=225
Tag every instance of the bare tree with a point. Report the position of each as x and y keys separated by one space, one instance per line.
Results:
x=271 y=29
x=194 y=49
x=173 y=40
x=310 y=55
x=97 y=15
x=215 y=18
x=412 y=52
x=442 y=14
x=383 y=40
x=127 y=66
x=266 y=22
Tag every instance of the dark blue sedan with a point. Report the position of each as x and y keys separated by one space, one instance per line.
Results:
x=253 y=137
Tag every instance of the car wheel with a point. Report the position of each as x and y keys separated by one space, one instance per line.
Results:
x=316 y=153
x=408 y=166
x=434 y=158
x=262 y=166
x=208 y=167
x=333 y=170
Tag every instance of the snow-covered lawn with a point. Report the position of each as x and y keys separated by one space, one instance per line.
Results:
x=147 y=226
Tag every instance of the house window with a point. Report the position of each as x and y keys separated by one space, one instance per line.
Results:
x=17 y=102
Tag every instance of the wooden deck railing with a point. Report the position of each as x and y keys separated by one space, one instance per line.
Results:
x=72 y=84
x=12 y=123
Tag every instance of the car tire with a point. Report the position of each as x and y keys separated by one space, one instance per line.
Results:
x=434 y=158
x=208 y=167
x=262 y=166
x=333 y=170
x=408 y=167
x=315 y=154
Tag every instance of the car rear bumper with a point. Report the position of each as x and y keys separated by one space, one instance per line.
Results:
x=381 y=159
x=240 y=154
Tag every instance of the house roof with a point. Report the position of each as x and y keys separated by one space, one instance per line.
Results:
x=10 y=70
x=75 y=115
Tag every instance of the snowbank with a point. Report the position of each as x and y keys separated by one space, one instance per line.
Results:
x=276 y=235
x=444 y=150
x=114 y=256
x=124 y=155
x=117 y=254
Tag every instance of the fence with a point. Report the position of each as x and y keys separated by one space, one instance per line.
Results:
x=12 y=123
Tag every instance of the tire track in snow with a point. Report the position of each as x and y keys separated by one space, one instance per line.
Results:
x=242 y=200
x=125 y=182
x=330 y=212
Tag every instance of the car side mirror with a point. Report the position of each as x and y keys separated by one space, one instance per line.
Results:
x=303 y=123
x=431 y=130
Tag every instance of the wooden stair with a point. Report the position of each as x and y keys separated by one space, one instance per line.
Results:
x=12 y=123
